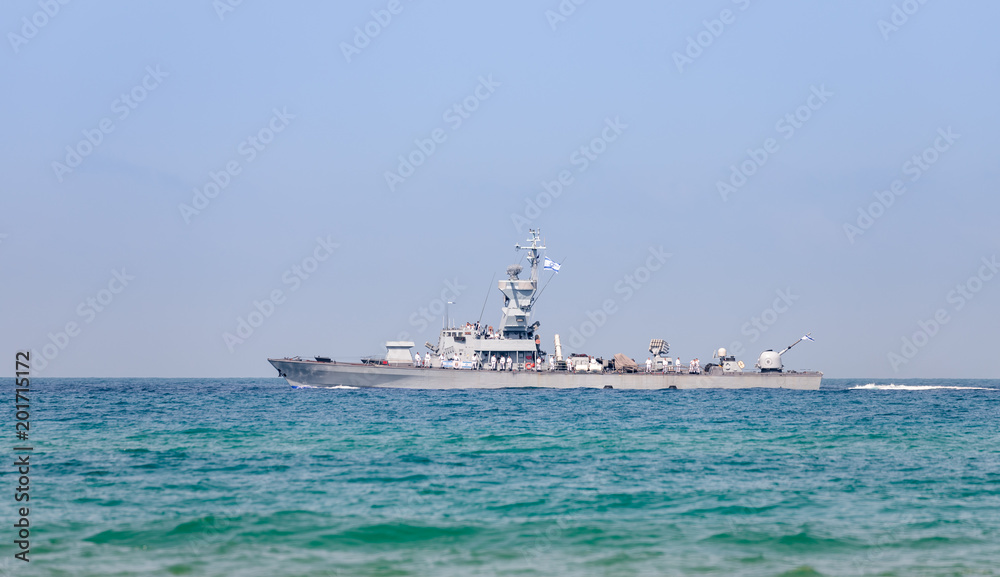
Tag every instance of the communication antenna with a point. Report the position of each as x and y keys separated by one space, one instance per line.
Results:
x=485 y=300
x=447 y=314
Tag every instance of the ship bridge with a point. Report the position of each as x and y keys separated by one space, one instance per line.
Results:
x=516 y=337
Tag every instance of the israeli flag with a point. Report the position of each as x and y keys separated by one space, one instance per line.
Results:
x=808 y=338
x=551 y=264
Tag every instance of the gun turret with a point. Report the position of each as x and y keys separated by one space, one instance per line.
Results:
x=770 y=361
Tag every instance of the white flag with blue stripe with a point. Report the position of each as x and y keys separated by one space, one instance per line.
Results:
x=808 y=338
x=551 y=264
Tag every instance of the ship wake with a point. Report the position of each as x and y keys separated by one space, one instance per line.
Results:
x=894 y=387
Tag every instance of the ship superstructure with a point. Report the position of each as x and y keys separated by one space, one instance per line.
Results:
x=511 y=355
x=474 y=345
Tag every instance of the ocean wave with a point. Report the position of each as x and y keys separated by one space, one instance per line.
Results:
x=894 y=387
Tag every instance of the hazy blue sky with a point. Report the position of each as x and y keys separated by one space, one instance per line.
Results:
x=302 y=115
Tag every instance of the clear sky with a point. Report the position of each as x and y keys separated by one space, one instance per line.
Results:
x=168 y=167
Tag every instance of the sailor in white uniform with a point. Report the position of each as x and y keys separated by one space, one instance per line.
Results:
x=552 y=363
x=441 y=360
x=649 y=365
x=427 y=360
x=493 y=362
x=416 y=360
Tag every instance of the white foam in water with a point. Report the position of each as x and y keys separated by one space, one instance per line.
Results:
x=314 y=387
x=893 y=387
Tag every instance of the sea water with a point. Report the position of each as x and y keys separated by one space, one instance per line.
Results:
x=253 y=477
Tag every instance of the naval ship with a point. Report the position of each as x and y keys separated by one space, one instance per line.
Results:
x=511 y=356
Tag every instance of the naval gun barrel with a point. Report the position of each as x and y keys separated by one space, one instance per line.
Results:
x=789 y=347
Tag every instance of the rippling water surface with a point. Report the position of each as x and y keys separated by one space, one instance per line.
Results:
x=252 y=477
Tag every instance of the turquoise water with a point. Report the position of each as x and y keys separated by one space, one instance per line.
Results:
x=252 y=477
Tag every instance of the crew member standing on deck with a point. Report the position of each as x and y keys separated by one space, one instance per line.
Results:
x=441 y=359
x=493 y=362
x=427 y=360
x=649 y=365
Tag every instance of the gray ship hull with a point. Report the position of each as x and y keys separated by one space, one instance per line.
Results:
x=322 y=374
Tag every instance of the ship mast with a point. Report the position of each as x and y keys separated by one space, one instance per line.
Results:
x=520 y=294
x=533 y=257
